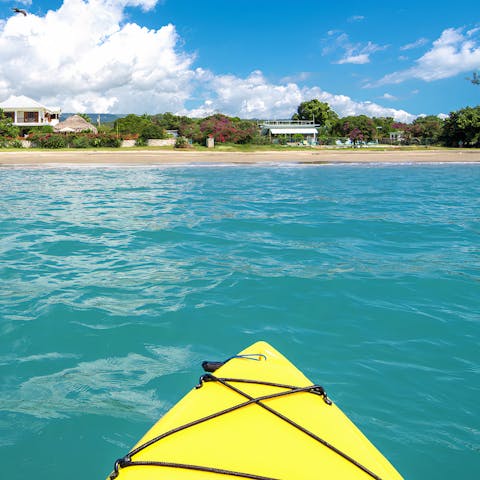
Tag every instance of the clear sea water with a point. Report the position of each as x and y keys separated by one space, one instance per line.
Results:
x=115 y=283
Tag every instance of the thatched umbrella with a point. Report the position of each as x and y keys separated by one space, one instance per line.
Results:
x=75 y=123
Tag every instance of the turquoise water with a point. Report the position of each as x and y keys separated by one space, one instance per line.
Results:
x=115 y=283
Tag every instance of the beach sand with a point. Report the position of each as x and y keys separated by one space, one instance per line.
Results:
x=168 y=157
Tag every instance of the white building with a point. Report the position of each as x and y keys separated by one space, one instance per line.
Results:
x=290 y=128
x=26 y=112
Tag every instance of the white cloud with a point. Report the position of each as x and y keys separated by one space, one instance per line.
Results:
x=418 y=43
x=451 y=54
x=359 y=59
x=344 y=106
x=356 y=18
x=356 y=53
x=24 y=3
x=85 y=57
x=255 y=97
x=473 y=31
x=250 y=97
x=299 y=77
x=388 y=96
x=360 y=54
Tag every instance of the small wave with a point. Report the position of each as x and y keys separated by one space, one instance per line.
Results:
x=110 y=386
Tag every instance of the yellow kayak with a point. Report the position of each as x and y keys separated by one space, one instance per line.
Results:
x=254 y=416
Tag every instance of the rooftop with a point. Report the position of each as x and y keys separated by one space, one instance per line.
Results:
x=22 y=102
x=288 y=123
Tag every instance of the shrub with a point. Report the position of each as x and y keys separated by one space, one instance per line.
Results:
x=181 y=142
x=49 y=140
x=15 y=144
x=81 y=142
x=98 y=140
x=107 y=140
x=258 y=139
x=141 y=141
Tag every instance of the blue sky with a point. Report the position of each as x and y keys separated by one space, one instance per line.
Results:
x=242 y=57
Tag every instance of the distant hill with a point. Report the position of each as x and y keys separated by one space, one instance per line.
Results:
x=104 y=117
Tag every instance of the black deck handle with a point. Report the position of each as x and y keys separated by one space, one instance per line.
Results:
x=211 y=366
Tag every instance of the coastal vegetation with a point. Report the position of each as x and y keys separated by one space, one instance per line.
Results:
x=460 y=129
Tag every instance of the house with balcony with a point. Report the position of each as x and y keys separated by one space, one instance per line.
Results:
x=26 y=112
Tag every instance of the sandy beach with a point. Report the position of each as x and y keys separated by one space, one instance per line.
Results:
x=167 y=157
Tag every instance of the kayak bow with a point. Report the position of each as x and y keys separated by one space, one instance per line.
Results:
x=254 y=416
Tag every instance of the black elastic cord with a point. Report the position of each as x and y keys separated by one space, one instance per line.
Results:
x=319 y=390
x=216 y=415
x=288 y=390
x=186 y=466
x=258 y=401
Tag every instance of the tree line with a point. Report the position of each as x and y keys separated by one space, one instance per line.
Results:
x=460 y=128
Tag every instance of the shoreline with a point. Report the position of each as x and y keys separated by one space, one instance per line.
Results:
x=126 y=157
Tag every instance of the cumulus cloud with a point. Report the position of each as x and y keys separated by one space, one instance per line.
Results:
x=84 y=58
x=345 y=106
x=87 y=57
x=250 y=97
x=255 y=97
x=453 y=53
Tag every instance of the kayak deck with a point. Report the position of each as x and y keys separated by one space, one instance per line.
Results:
x=257 y=416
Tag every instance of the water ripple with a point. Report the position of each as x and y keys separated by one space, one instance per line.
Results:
x=116 y=283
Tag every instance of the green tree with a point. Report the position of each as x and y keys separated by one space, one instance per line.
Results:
x=132 y=124
x=408 y=133
x=247 y=130
x=168 y=120
x=462 y=128
x=383 y=126
x=318 y=111
x=7 y=129
x=358 y=128
x=190 y=128
x=427 y=129
x=143 y=126
x=152 y=130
